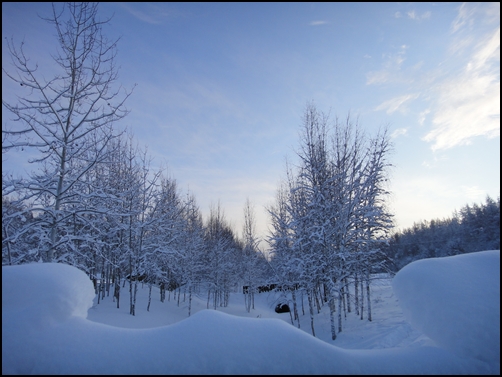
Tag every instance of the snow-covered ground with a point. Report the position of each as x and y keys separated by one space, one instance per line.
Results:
x=449 y=324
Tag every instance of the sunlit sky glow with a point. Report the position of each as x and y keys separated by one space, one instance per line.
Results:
x=221 y=88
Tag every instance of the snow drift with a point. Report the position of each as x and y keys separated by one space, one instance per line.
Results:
x=455 y=301
x=45 y=330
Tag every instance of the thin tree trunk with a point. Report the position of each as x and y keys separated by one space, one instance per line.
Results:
x=108 y=279
x=162 y=292
x=340 y=298
x=134 y=297
x=343 y=301
x=103 y=282
x=99 y=291
x=317 y=300
x=116 y=293
x=356 y=294
x=362 y=299
x=303 y=310
x=149 y=296
x=131 y=307
x=332 y=317
x=295 y=307
x=348 y=295
x=189 y=299
x=368 y=295
x=311 y=309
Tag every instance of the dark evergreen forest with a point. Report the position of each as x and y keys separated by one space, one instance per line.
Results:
x=472 y=228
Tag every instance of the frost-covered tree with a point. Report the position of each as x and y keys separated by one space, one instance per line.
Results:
x=474 y=227
x=250 y=257
x=191 y=252
x=68 y=119
x=220 y=257
x=332 y=213
x=17 y=246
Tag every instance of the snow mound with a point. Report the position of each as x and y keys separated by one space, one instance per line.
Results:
x=45 y=331
x=38 y=293
x=455 y=301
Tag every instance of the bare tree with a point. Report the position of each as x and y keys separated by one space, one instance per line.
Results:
x=69 y=116
x=332 y=212
x=250 y=256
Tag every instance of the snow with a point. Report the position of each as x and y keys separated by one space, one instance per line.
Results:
x=455 y=301
x=51 y=324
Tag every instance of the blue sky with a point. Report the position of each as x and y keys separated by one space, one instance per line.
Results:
x=221 y=88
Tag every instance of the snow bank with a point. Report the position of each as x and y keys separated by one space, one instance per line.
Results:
x=455 y=301
x=41 y=293
x=45 y=331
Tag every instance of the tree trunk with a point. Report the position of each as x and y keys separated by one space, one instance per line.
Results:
x=348 y=294
x=295 y=307
x=303 y=309
x=189 y=299
x=149 y=296
x=116 y=292
x=134 y=298
x=311 y=309
x=356 y=294
x=362 y=299
x=332 y=316
x=340 y=299
x=368 y=295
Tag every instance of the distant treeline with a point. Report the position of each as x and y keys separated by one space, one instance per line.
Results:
x=473 y=228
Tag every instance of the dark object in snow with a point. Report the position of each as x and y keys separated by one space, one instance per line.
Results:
x=282 y=308
x=136 y=277
x=267 y=288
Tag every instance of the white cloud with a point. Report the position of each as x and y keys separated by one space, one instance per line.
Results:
x=154 y=14
x=426 y=15
x=415 y=16
x=474 y=193
x=469 y=104
x=487 y=51
x=465 y=15
x=397 y=15
x=423 y=114
x=399 y=132
x=412 y=15
x=391 y=65
x=317 y=23
x=378 y=77
x=396 y=103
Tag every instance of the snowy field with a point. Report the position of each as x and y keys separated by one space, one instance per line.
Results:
x=436 y=316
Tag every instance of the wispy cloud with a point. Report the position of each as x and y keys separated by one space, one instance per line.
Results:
x=396 y=103
x=474 y=193
x=154 y=14
x=464 y=17
x=399 y=132
x=317 y=23
x=422 y=116
x=415 y=16
x=469 y=103
x=377 y=77
x=391 y=65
